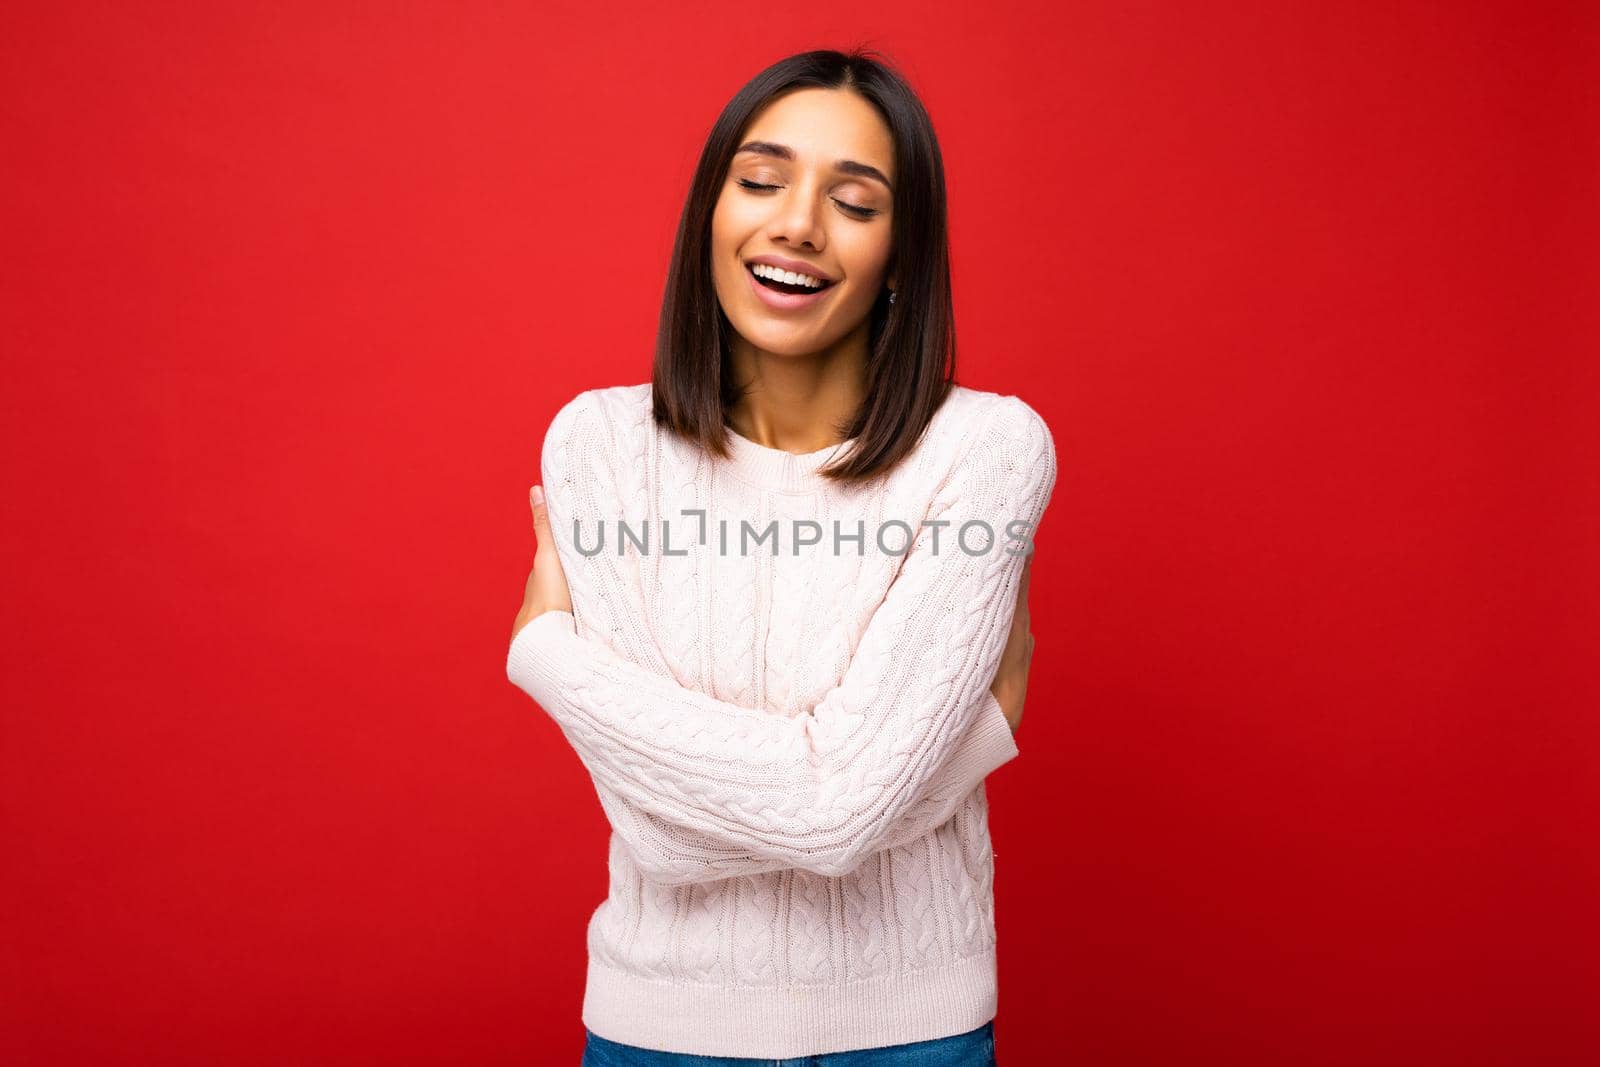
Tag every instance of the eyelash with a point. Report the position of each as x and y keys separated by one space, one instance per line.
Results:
x=860 y=212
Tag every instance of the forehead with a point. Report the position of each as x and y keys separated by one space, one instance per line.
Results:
x=824 y=125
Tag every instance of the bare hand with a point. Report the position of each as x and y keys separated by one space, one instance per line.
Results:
x=547 y=582
x=1010 y=685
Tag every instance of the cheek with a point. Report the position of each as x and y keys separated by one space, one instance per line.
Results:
x=865 y=258
x=727 y=272
x=730 y=231
x=734 y=213
x=724 y=244
x=720 y=236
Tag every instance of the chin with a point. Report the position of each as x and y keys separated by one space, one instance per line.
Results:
x=779 y=342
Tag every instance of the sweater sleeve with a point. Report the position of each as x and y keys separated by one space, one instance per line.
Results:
x=669 y=853
x=823 y=789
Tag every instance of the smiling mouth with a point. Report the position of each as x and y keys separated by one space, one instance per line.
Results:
x=785 y=287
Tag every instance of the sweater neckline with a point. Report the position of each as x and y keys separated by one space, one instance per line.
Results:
x=776 y=468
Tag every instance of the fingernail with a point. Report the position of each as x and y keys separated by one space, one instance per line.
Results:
x=536 y=494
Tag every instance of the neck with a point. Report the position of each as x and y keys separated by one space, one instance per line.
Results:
x=796 y=403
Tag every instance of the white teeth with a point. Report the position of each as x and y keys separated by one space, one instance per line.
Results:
x=761 y=270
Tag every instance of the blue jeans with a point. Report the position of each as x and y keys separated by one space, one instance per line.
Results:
x=975 y=1048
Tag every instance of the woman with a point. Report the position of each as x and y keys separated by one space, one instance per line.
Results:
x=790 y=741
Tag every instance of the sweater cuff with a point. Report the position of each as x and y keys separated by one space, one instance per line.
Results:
x=986 y=746
x=534 y=656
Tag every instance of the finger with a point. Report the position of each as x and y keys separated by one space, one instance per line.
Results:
x=545 y=556
x=541 y=513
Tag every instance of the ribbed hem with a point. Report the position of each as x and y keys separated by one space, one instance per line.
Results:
x=779 y=1022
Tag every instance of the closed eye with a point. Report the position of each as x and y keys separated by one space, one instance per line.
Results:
x=856 y=209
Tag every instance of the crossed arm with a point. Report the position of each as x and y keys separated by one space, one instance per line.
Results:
x=699 y=788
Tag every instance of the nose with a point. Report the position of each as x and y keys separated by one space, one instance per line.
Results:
x=796 y=218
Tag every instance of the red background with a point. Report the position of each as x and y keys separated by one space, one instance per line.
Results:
x=1306 y=292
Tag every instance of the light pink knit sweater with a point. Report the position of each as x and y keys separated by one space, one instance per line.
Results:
x=788 y=739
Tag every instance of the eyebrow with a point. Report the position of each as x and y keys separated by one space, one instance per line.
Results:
x=844 y=166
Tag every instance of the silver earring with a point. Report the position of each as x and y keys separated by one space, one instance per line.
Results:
x=891 y=296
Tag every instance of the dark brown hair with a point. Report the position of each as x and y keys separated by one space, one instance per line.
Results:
x=911 y=342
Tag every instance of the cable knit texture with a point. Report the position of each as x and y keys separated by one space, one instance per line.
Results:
x=780 y=690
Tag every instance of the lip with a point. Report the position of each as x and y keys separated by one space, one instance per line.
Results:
x=783 y=301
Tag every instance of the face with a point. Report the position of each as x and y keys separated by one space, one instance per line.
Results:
x=811 y=184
